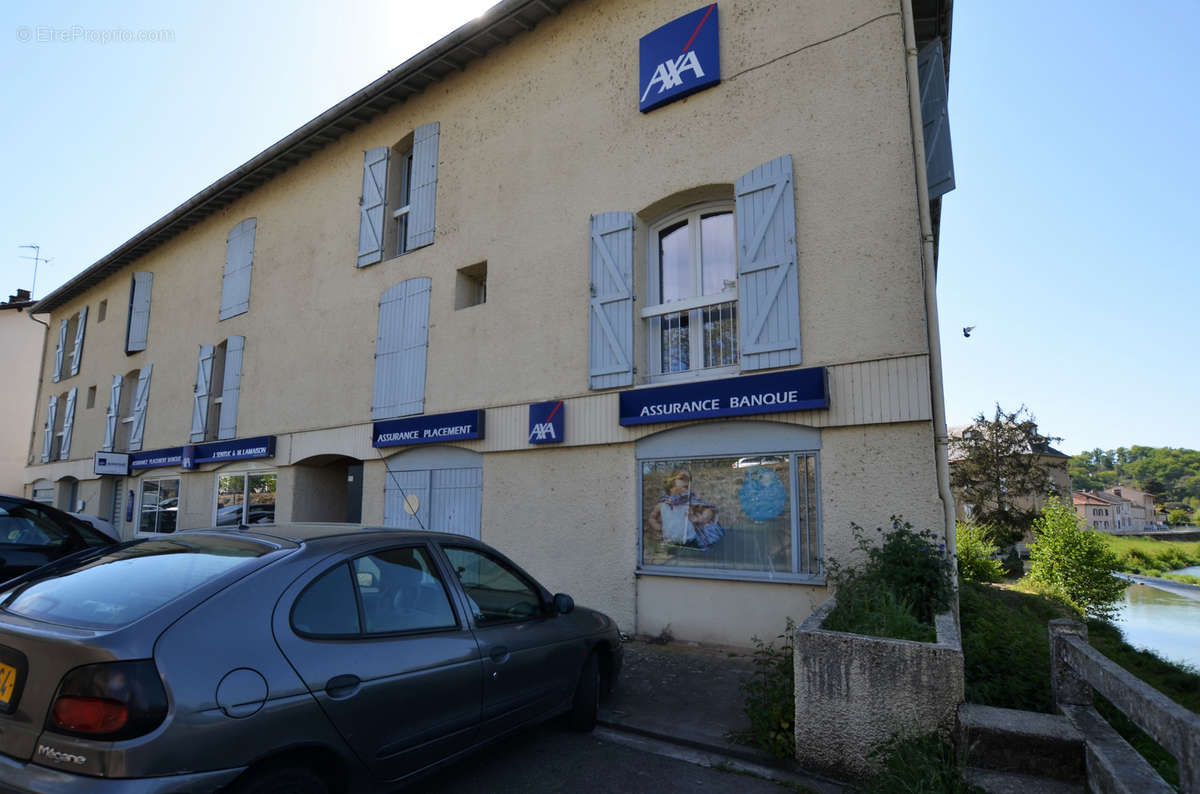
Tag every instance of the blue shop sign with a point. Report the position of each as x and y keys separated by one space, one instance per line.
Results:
x=225 y=451
x=680 y=58
x=772 y=392
x=457 y=426
x=155 y=458
x=546 y=422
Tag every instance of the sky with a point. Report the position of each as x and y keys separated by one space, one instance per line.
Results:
x=1071 y=242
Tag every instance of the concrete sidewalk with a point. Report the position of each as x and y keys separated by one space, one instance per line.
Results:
x=689 y=695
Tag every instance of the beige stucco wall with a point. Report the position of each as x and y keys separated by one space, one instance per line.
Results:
x=21 y=339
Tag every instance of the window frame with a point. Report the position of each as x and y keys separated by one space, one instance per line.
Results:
x=400 y=170
x=653 y=307
x=141 y=493
x=538 y=591
x=245 y=477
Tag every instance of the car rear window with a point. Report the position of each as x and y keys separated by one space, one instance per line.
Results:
x=120 y=586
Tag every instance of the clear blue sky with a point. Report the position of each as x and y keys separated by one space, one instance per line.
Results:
x=1071 y=242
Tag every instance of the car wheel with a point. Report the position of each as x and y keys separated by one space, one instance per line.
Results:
x=282 y=780
x=587 y=697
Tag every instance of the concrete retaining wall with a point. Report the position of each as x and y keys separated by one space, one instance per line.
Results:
x=854 y=692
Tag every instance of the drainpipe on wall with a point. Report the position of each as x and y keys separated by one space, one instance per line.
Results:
x=941 y=439
x=37 y=400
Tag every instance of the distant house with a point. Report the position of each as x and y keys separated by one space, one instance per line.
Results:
x=1143 y=510
x=22 y=339
x=1098 y=514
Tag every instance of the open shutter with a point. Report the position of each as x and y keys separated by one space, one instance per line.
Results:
x=140 y=399
x=234 y=347
x=110 y=418
x=239 y=258
x=610 y=318
x=48 y=439
x=139 y=312
x=768 y=285
x=423 y=195
x=58 y=351
x=400 y=350
x=372 y=205
x=200 y=398
x=77 y=354
x=64 y=449
x=939 y=160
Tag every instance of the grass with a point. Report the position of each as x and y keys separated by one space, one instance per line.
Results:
x=873 y=610
x=1006 y=653
x=918 y=765
x=1155 y=556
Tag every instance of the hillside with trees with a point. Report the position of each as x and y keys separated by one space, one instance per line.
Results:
x=1172 y=475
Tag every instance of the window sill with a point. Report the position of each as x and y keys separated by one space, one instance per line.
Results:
x=810 y=579
x=690 y=376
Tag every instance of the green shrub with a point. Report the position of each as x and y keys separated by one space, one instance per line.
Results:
x=769 y=697
x=1075 y=563
x=866 y=606
x=975 y=562
x=918 y=765
x=1013 y=567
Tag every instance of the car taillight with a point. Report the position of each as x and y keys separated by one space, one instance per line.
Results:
x=115 y=700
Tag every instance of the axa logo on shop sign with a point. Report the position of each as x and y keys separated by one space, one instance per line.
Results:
x=680 y=58
x=546 y=422
x=772 y=392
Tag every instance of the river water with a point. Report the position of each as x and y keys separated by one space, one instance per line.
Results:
x=1164 y=618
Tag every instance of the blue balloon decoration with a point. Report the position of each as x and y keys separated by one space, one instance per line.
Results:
x=763 y=495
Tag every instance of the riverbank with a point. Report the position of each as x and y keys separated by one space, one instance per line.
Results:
x=1154 y=557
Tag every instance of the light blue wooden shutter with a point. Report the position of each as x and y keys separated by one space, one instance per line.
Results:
x=372 y=205
x=111 y=417
x=423 y=195
x=140 y=400
x=77 y=353
x=203 y=388
x=404 y=491
x=139 y=312
x=456 y=501
x=58 y=351
x=232 y=386
x=400 y=349
x=48 y=439
x=64 y=449
x=610 y=316
x=768 y=285
x=939 y=160
x=239 y=261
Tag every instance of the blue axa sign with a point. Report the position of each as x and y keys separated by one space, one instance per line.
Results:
x=457 y=426
x=771 y=392
x=680 y=58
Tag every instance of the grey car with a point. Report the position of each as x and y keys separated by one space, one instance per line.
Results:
x=295 y=658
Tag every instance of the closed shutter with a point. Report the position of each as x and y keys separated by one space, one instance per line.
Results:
x=64 y=449
x=423 y=195
x=111 y=417
x=935 y=121
x=372 y=205
x=140 y=399
x=456 y=501
x=610 y=316
x=58 y=351
x=48 y=440
x=204 y=369
x=77 y=353
x=768 y=284
x=400 y=350
x=239 y=259
x=227 y=427
x=406 y=499
x=139 y=312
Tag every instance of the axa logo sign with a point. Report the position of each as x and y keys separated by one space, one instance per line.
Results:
x=546 y=422
x=679 y=58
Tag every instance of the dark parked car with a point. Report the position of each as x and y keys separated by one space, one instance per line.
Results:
x=33 y=534
x=296 y=658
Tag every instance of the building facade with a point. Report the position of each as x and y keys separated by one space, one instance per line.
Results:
x=22 y=338
x=661 y=337
x=1143 y=510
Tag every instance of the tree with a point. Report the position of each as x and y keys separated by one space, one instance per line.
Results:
x=1074 y=562
x=996 y=471
x=1178 y=516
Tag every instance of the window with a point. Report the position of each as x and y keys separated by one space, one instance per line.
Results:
x=160 y=505
x=56 y=443
x=91 y=397
x=470 y=288
x=217 y=389
x=102 y=311
x=400 y=349
x=68 y=354
x=43 y=494
x=396 y=208
x=245 y=499
x=496 y=592
x=691 y=290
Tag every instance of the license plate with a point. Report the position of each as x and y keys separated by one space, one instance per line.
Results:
x=8 y=682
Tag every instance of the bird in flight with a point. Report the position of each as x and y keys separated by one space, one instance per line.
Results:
x=967 y=331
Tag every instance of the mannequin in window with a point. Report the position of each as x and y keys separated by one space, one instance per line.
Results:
x=682 y=518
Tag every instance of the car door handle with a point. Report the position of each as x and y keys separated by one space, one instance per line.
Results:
x=341 y=686
x=499 y=654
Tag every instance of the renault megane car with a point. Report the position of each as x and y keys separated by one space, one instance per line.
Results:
x=295 y=658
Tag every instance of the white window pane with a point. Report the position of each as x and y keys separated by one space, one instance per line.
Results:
x=230 y=497
x=674 y=331
x=675 y=265
x=717 y=251
x=262 y=499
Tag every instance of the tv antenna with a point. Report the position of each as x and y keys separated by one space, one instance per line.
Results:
x=37 y=258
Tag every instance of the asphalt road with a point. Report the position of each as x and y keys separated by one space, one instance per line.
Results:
x=553 y=759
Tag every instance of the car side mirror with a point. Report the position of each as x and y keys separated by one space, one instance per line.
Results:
x=563 y=603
